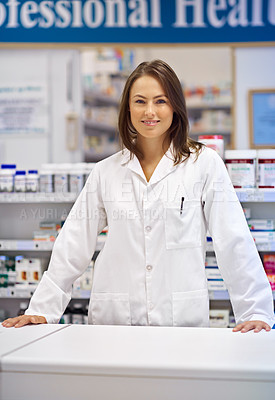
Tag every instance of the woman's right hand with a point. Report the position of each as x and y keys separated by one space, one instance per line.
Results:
x=22 y=320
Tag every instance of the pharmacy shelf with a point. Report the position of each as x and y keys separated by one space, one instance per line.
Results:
x=90 y=96
x=22 y=291
x=38 y=197
x=223 y=295
x=26 y=291
x=99 y=126
x=208 y=106
x=256 y=195
x=244 y=195
x=37 y=245
x=260 y=247
x=210 y=132
x=26 y=245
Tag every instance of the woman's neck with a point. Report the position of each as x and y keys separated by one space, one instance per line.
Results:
x=153 y=150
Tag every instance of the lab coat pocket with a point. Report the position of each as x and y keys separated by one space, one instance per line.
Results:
x=109 y=309
x=182 y=225
x=191 y=308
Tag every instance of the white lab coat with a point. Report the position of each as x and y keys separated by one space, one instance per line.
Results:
x=151 y=270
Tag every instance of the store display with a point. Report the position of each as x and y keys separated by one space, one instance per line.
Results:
x=46 y=180
x=77 y=314
x=7 y=271
x=261 y=224
x=53 y=178
x=209 y=109
x=241 y=166
x=20 y=181
x=266 y=168
x=219 y=318
x=61 y=177
x=215 y=142
x=269 y=266
x=32 y=181
x=7 y=173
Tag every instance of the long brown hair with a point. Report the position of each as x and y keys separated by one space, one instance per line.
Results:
x=183 y=145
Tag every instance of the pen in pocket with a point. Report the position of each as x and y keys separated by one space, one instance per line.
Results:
x=181 y=205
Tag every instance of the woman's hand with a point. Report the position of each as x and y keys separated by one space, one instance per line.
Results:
x=250 y=325
x=22 y=320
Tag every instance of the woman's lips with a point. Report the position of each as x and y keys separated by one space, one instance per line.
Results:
x=150 y=122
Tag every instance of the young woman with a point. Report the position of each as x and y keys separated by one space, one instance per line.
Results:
x=158 y=197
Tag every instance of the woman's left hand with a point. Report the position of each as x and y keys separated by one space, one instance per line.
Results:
x=250 y=325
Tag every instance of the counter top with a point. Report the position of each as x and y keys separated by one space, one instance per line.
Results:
x=150 y=351
x=12 y=339
x=170 y=355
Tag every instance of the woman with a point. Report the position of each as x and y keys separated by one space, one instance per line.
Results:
x=158 y=197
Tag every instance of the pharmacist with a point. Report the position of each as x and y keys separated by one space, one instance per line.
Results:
x=158 y=197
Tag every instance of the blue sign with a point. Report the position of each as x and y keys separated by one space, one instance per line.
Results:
x=137 y=21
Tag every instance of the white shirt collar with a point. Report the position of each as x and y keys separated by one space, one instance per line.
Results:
x=164 y=167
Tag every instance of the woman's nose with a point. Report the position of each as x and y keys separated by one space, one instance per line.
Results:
x=149 y=109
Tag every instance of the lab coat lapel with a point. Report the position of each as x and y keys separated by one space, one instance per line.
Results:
x=164 y=167
x=132 y=163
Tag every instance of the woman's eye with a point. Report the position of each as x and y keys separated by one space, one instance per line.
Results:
x=139 y=101
x=161 y=101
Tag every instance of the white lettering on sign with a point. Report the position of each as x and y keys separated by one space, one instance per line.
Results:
x=47 y=14
x=115 y=13
x=212 y=8
x=181 y=13
x=135 y=13
x=220 y=12
x=27 y=10
x=93 y=13
x=64 y=14
x=3 y=14
x=13 y=14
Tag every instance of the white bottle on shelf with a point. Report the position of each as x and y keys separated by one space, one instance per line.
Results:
x=61 y=178
x=32 y=181
x=20 y=181
x=7 y=173
x=77 y=177
x=46 y=181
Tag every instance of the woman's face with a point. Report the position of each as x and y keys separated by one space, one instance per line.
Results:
x=150 y=110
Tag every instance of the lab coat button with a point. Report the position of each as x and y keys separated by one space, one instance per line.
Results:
x=149 y=267
x=148 y=228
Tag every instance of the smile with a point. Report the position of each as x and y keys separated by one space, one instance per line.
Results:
x=150 y=122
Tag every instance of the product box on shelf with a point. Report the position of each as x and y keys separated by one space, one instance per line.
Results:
x=263 y=236
x=7 y=271
x=266 y=168
x=219 y=318
x=261 y=224
x=241 y=166
x=269 y=266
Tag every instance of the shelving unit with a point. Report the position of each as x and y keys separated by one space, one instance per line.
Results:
x=203 y=124
x=40 y=204
x=20 y=214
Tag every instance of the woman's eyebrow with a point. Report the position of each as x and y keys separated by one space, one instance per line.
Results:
x=156 y=97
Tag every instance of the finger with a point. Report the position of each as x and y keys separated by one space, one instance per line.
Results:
x=261 y=326
x=249 y=326
x=238 y=327
x=8 y=323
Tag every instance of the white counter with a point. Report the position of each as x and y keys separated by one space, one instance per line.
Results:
x=11 y=339
x=140 y=363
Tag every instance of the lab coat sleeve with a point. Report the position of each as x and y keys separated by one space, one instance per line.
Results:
x=72 y=252
x=237 y=256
